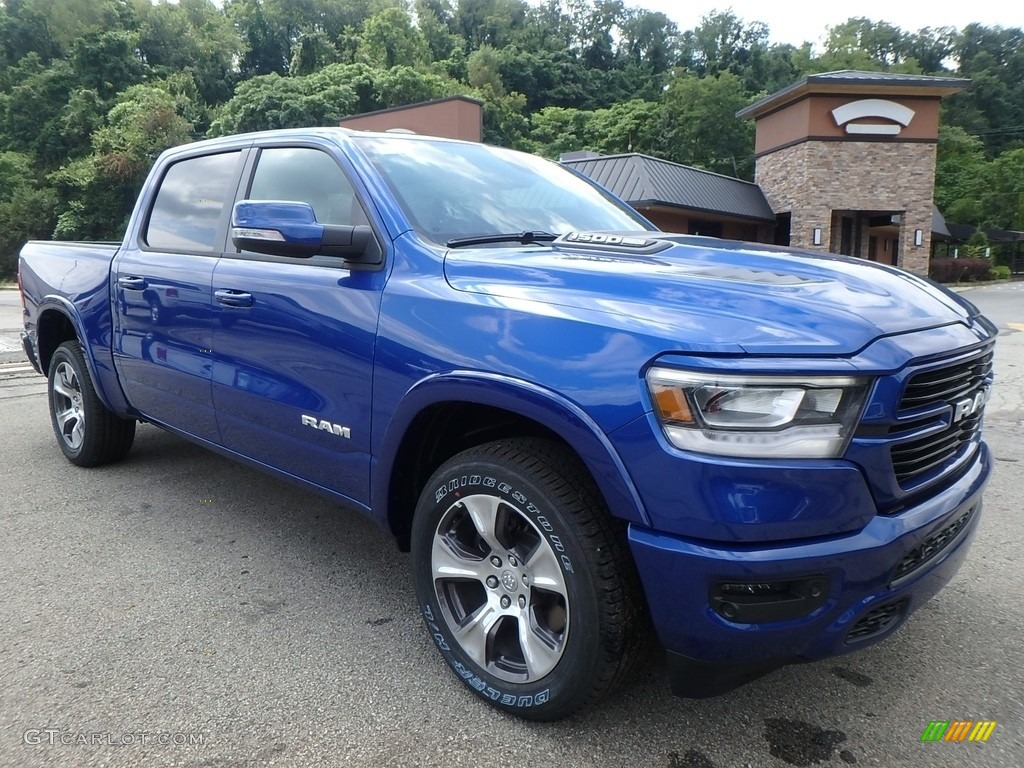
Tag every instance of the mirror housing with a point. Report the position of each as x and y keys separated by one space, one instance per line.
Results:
x=287 y=228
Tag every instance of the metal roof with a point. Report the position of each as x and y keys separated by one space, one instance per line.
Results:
x=858 y=76
x=961 y=233
x=852 y=81
x=939 y=227
x=639 y=179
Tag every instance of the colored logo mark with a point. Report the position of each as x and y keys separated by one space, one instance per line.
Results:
x=958 y=730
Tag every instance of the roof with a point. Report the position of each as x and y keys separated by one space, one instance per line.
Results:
x=640 y=178
x=856 y=82
x=939 y=228
x=961 y=233
x=417 y=105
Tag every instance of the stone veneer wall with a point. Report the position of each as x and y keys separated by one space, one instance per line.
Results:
x=813 y=178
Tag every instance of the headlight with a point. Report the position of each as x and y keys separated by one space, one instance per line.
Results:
x=757 y=416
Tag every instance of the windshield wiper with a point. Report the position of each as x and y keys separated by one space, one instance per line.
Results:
x=527 y=237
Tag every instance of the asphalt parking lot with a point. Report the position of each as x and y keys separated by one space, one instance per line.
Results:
x=180 y=610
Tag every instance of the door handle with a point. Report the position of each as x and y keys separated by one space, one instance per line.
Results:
x=229 y=298
x=131 y=283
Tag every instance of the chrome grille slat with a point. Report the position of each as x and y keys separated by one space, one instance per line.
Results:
x=910 y=401
x=936 y=386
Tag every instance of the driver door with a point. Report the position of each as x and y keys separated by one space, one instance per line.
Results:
x=293 y=338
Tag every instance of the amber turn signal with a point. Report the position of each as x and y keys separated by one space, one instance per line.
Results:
x=672 y=405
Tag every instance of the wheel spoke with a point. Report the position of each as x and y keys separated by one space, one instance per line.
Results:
x=473 y=634
x=449 y=564
x=546 y=570
x=539 y=656
x=62 y=389
x=63 y=417
x=71 y=426
x=77 y=432
x=483 y=511
x=68 y=379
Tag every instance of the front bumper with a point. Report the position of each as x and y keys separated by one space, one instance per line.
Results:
x=875 y=578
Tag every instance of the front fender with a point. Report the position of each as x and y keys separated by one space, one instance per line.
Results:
x=562 y=416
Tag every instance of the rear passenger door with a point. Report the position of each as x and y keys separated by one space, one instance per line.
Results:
x=293 y=339
x=163 y=281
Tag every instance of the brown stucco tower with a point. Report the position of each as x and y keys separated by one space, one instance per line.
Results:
x=847 y=162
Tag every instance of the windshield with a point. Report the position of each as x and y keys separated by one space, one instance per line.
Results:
x=452 y=190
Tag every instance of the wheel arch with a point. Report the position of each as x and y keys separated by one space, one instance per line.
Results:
x=57 y=322
x=447 y=413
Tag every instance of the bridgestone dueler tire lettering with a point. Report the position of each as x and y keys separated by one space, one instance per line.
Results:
x=580 y=627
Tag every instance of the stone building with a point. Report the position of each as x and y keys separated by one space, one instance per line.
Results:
x=847 y=162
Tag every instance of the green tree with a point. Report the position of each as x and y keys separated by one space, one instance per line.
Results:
x=628 y=126
x=864 y=40
x=265 y=35
x=484 y=70
x=399 y=86
x=993 y=106
x=96 y=193
x=722 y=42
x=271 y=101
x=107 y=62
x=554 y=130
x=325 y=97
x=960 y=176
x=78 y=119
x=494 y=22
x=30 y=110
x=50 y=27
x=699 y=125
x=23 y=30
x=505 y=123
x=389 y=39
x=649 y=40
x=435 y=19
x=27 y=208
x=931 y=49
x=192 y=36
x=1002 y=198
x=314 y=50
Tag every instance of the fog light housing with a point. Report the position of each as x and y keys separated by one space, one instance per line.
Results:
x=760 y=602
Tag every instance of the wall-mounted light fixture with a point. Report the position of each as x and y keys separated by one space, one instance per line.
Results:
x=817 y=236
x=918 y=237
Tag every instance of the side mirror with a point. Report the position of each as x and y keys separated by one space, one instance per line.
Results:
x=285 y=228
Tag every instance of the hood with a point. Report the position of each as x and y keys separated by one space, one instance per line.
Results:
x=705 y=294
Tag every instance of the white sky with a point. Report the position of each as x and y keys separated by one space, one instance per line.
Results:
x=797 y=21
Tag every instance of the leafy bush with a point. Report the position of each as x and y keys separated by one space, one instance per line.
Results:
x=960 y=270
x=1001 y=272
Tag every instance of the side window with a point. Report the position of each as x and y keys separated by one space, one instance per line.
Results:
x=189 y=203
x=305 y=175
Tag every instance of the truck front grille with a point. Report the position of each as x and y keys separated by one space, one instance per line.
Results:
x=941 y=387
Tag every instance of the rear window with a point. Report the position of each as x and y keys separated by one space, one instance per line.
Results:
x=190 y=201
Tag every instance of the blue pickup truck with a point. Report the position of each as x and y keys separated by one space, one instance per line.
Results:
x=581 y=427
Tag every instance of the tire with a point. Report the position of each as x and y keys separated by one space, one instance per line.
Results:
x=87 y=432
x=524 y=580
